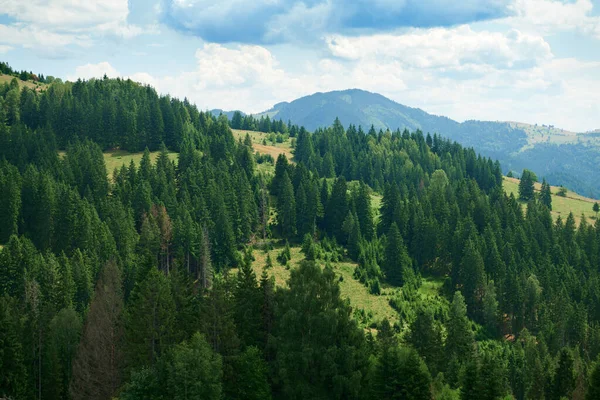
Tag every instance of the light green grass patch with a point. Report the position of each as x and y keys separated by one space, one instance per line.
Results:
x=350 y=288
x=115 y=159
x=561 y=206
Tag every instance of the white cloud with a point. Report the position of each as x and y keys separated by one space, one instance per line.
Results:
x=29 y=36
x=66 y=13
x=444 y=48
x=5 y=49
x=89 y=71
x=54 y=24
x=555 y=16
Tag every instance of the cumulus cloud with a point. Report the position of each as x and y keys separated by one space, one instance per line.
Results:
x=5 y=49
x=29 y=36
x=273 y=21
x=438 y=48
x=551 y=16
x=58 y=23
x=89 y=71
x=66 y=13
x=97 y=71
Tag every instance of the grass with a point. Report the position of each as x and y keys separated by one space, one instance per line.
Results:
x=115 y=159
x=31 y=85
x=273 y=149
x=561 y=206
x=377 y=307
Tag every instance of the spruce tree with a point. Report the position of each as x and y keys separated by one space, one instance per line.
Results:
x=397 y=263
x=286 y=208
x=149 y=320
x=98 y=364
x=545 y=195
x=459 y=341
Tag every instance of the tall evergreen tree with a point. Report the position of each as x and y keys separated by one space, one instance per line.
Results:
x=97 y=366
x=397 y=263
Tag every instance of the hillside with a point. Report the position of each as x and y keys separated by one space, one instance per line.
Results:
x=565 y=158
x=29 y=84
x=561 y=206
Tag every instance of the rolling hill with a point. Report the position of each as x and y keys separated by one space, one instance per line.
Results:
x=565 y=158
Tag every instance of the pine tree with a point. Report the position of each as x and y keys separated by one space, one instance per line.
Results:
x=397 y=263
x=286 y=208
x=426 y=337
x=593 y=391
x=401 y=374
x=247 y=296
x=545 y=195
x=472 y=275
x=364 y=212
x=526 y=188
x=194 y=371
x=564 y=376
x=97 y=366
x=459 y=342
x=337 y=209
x=12 y=361
x=315 y=325
x=149 y=320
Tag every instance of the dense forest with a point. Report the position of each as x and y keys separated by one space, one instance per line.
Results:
x=138 y=283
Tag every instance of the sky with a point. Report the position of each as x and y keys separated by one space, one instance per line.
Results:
x=533 y=61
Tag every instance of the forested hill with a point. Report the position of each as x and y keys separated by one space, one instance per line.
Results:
x=142 y=284
x=547 y=150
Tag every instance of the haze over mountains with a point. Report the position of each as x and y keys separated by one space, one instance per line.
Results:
x=564 y=158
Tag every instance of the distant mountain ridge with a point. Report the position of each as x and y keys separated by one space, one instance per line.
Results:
x=563 y=157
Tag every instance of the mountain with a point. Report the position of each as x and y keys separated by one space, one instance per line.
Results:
x=564 y=158
x=217 y=111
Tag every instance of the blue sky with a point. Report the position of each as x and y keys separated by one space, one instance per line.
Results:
x=535 y=61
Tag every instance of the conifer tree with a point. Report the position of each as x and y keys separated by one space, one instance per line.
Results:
x=472 y=275
x=459 y=342
x=286 y=208
x=526 y=188
x=545 y=195
x=97 y=366
x=149 y=320
x=397 y=263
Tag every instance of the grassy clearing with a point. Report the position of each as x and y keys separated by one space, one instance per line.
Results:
x=31 y=85
x=561 y=206
x=273 y=149
x=115 y=159
x=376 y=307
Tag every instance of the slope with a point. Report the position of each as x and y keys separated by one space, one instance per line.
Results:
x=565 y=158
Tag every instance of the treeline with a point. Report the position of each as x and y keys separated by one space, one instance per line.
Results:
x=263 y=124
x=121 y=287
x=112 y=113
x=24 y=75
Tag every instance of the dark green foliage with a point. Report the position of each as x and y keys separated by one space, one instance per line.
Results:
x=426 y=338
x=251 y=374
x=593 y=391
x=546 y=195
x=149 y=320
x=285 y=255
x=397 y=264
x=401 y=374
x=321 y=353
x=459 y=342
x=169 y=233
x=97 y=366
x=526 y=189
x=13 y=379
x=563 y=382
x=286 y=208
x=190 y=370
